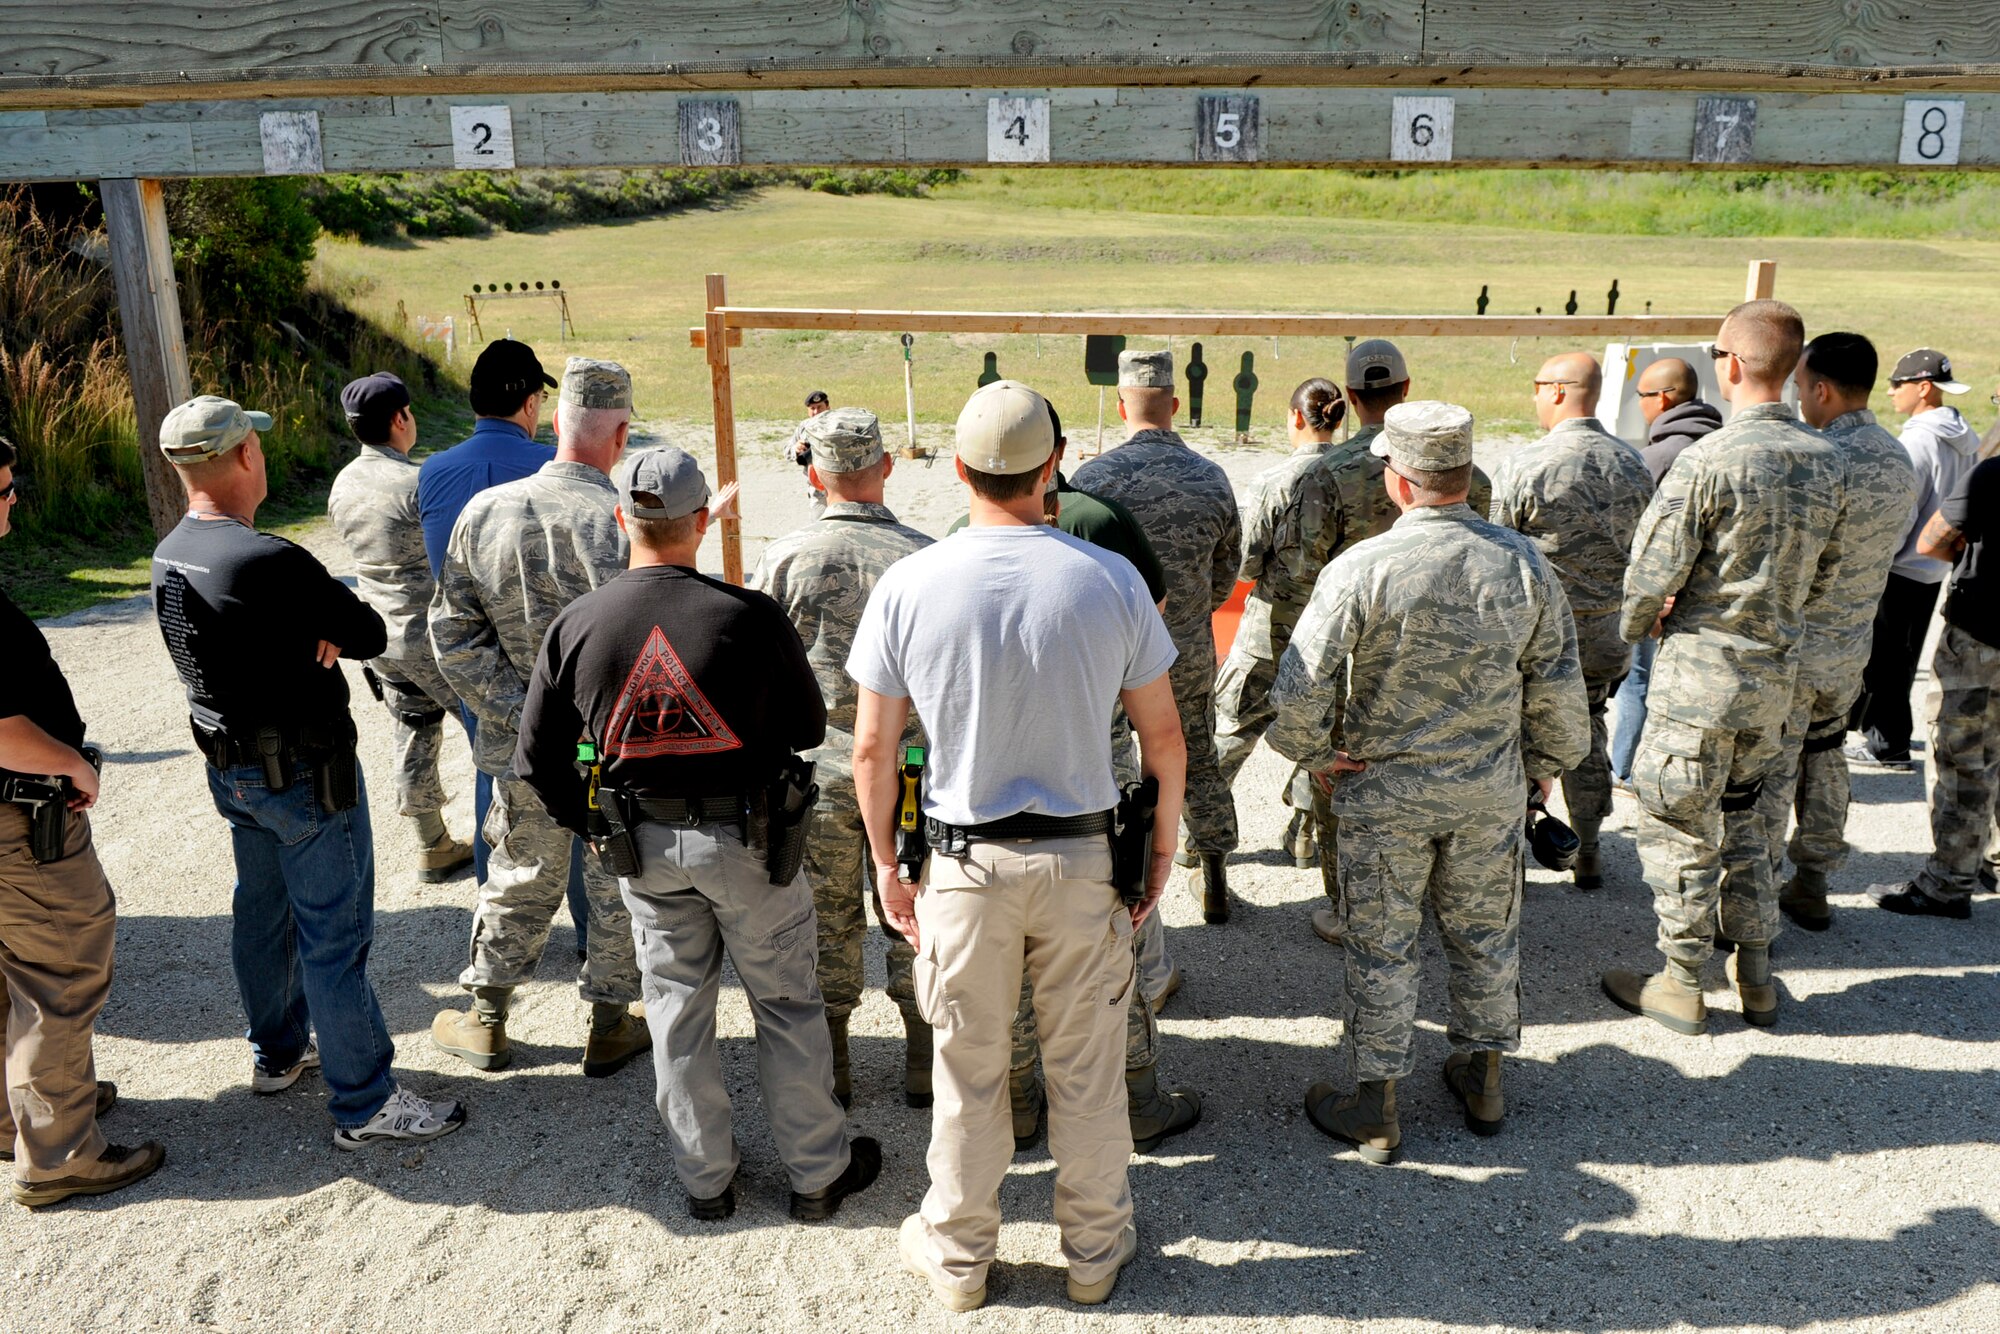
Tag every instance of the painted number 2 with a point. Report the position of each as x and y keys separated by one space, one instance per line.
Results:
x=482 y=138
x=483 y=144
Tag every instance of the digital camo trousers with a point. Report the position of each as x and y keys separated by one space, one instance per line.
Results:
x=1472 y=878
x=1587 y=788
x=527 y=879
x=416 y=744
x=1702 y=841
x=1964 y=711
x=837 y=866
x=1809 y=780
x=1210 y=813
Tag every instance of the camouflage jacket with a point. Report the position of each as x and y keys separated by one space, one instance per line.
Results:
x=1735 y=536
x=1878 y=489
x=1342 y=500
x=373 y=505
x=519 y=553
x=1464 y=675
x=1577 y=494
x=1274 y=557
x=821 y=575
x=1186 y=505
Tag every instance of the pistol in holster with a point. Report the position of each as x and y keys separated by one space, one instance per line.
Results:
x=789 y=806
x=1132 y=839
x=46 y=803
x=913 y=845
x=336 y=767
x=605 y=820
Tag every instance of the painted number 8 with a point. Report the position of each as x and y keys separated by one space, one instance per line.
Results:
x=1228 y=129
x=1930 y=143
x=708 y=136
x=1422 y=130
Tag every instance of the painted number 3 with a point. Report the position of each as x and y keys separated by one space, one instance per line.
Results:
x=708 y=134
x=1930 y=142
x=1422 y=130
x=1228 y=129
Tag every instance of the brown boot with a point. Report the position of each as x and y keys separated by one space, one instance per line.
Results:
x=1803 y=899
x=843 y=1074
x=617 y=1034
x=1209 y=883
x=1474 y=1079
x=1299 y=841
x=1750 y=970
x=1326 y=925
x=116 y=1168
x=1024 y=1098
x=439 y=860
x=1187 y=856
x=1589 y=868
x=1664 y=998
x=916 y=1061
x=1156 y=1116
x=473 y=1037
x=1367 y=1120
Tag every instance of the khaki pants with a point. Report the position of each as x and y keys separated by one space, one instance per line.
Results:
x=1046 y=906
x=57 y=926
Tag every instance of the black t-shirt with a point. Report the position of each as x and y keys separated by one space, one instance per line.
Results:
x=32 y=686
x=243 y=613
x=1974 y=604
x=691 y=687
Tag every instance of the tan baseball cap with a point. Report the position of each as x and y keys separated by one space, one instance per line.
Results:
x=1375 y=363
x=1432 y=436
x=208 y=427
x=1005 y=429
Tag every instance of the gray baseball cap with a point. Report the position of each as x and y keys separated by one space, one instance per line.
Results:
x=844 y=439
x=664 y=483
x=1375 y=363
x=588 y=383
x=1146 y=370
x=208 y=427
x=1005 y=429
x=1428 y=435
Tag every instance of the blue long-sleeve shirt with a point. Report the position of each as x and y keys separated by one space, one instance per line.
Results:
x=497 y=451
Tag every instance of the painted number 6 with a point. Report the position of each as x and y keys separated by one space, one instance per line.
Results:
x=1422 y=130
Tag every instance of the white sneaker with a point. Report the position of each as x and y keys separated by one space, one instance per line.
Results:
x=267 y=1081
x=404 y=1117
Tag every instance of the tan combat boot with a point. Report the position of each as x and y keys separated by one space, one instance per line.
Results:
x=1299 y=841
x=1750 y=970
x=1187 y=856
x=1209 y=883
x=1096 y=1294
x=1367 y=1120
x=617 y=1034
x=843 y=1073
x=116 y=1168
x=917 y=1045
x=1156 y=1116
x=1326 y=925
x=1025 y=1100
x=477 y=1037
x=1803 y=899
x=1665 y=998
x=1474 y=1079
x=437 y=862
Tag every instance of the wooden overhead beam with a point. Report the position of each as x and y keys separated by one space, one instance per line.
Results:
x=1185 y=324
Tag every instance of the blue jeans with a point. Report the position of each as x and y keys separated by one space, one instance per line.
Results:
x=1631 y=709
x=304 y=918
x=482 y=801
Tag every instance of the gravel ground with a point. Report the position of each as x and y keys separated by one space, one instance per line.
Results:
x=1836 y=1172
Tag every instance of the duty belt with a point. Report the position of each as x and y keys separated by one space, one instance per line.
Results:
x=1025 y=825
x=688 y=811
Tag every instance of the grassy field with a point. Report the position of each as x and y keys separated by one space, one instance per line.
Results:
x=1015 y=241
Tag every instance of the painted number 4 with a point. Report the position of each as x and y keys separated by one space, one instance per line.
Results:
x=1017 y=129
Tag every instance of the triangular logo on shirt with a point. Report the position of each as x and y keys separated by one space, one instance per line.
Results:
x=661 y=711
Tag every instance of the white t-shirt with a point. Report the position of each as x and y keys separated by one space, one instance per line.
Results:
x=1013 y=644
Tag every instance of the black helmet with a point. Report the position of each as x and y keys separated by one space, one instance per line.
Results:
x=1554 y=843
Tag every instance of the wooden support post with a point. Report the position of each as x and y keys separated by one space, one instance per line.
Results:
x=725 y=425
x=149 y=310
x=1763 y=280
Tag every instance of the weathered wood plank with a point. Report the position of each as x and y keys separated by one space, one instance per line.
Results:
x=1632 y=328
x=210 y=111
x=100 y=37
x=86 y=152
x=149 y=315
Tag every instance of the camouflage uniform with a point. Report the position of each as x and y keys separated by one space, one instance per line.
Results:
x=373 y=505
x=1465 y=684
x=1736 y=534
x=1965 y=762
x=1878 y=489
x=519 y=554
x=1577 y=493
x=1188 y=510
x=822 y=575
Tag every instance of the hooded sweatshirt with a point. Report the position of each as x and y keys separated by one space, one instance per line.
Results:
x=1943 y=449
x=1674 y=430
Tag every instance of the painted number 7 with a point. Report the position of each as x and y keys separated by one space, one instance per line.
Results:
x=1228 y=129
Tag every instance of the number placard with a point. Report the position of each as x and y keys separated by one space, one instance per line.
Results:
x=1724 y=128
x=291 y=143
x=1932 y=131
x=1420 y=129
x=482 y=138
x=1228 y=128
x=709 y=133
x=1017 y=129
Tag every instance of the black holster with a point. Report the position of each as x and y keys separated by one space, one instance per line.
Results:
x=46 y=804
x=788 y=815
x=1132 y=839
x=610 y=829
x=336 y=768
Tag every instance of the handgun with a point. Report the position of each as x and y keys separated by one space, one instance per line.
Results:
x=911 y=845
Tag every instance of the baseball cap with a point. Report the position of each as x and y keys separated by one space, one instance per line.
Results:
x=1005 y=429
x=1146 y=370
x=1375 y=363
x=508 y=367
x=207 y=427
x=374 y=398
x=1428 y=435
x=664 y=483
x=1927 y=363
x=844 y=439
x=588 y=383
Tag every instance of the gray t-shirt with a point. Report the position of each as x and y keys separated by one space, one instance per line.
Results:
x=1013 y=644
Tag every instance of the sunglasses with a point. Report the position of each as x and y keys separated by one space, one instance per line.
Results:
x=1652 y=393
x=1716 y=353
x=12 y=489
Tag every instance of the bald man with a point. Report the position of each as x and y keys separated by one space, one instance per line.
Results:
x=1727 y=554
x=1670 y=401
x=1577 y=493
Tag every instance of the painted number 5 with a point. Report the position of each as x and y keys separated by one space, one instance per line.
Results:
x=1228 y=129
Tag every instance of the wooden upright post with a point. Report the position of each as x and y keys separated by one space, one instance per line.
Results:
x=725 y=425
x=1763 y=280
x=149 y=310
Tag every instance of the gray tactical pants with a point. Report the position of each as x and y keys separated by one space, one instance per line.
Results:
x=700 y=892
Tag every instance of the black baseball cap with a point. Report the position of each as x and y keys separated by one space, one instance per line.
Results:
x=375 y=398
x=508 y=368
x=816 y=396
x=1927 y=363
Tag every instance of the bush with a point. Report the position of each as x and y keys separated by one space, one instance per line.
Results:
x=242 y=245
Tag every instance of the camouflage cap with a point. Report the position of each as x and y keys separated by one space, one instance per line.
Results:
x=1146 y=370
x=208 y=427
x=844 y=439
x=1375 y=363
x=664 y=483
x=1428 y=435
x=588 y=383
